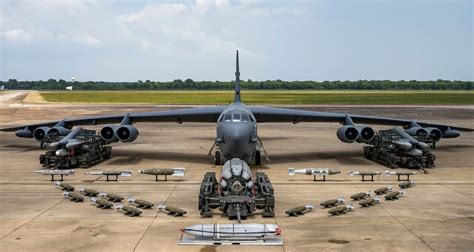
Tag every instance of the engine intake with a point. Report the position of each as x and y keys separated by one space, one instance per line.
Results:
x=348 y=133
x=434 y=133
x=366 y=133
x=127 y=133
x=108 y=133
x=40 y=133
x=417 y=131
x=58 y=130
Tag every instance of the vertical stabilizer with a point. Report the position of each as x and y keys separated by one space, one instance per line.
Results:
x=237 y=79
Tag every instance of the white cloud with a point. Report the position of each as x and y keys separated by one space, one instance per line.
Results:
x=17 y=35
x=83 y=39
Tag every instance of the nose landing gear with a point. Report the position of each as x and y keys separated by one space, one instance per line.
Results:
x=217 y=158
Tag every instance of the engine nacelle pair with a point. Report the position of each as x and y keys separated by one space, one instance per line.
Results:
x=428 y=133
x=115 y=133
x=352 y=133
x=41 y=132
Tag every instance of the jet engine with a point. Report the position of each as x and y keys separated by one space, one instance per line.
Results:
x=40 y=133
x=417 y=131
x=348 y=133
x=366 y=133
x=126 y=133
x=108 y=133
x=434 y=133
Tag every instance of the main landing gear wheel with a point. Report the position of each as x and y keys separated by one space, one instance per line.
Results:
x=217 y=158
x=258 y=158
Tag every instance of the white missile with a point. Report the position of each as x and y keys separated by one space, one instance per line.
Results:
x=365 y=173
x=404 y=145
x=55 y=172
x=312 y=171
x=388 y=173
x=233 y=231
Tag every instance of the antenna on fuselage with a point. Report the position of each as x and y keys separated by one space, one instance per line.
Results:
x=237 y=79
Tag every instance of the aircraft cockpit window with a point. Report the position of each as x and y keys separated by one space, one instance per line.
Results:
x=245 y=117
x=236 y=116
x=227 y=117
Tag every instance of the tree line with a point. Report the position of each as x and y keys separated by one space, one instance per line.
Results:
x=189 y=84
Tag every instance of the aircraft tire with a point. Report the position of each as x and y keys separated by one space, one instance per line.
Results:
x=217 y=157
x=258 y=158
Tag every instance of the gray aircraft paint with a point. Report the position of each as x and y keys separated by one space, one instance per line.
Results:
x=235 y=138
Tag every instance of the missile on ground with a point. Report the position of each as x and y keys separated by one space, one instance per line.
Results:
x=129 y=210
x=364 y=174
x=124 y=173
x=313 y=172
x=55 y=172
x=383 y=190
x=299 y=210
x=64 y=186
x=74 y=196
x=406 y=184
x=401 y=173
x=369 y=202
x=361 y=195
x=102 y=203
x=332 y=202
x=175 y=172
x=342 y=209
x=394 y=195
x=140 y=203
x=233 y=231
x=172 y=210
x=89 y=192
x=112 y=196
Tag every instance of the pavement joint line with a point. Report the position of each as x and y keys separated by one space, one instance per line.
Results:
x=41 y=213
x=156 y=215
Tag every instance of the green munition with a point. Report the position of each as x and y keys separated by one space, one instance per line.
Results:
x=369 y=202
x=112 y=196
x=175 y=172
x=332 y=202
x=299 y=210
x=74 y=196
x=129 y=210
x=140 y=203
x=394 y=195
x=172 y=210
x=89 y=192
x=361 y=195
x=342 y=209
x=101 y=203
x=406 y=184
x=383 y=190
x=65 y=186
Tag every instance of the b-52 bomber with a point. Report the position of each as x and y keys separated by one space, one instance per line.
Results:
x=236 y=131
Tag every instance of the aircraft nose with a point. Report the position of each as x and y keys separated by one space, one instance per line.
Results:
x=238 y=139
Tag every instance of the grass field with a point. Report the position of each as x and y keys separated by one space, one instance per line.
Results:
x=267 y=97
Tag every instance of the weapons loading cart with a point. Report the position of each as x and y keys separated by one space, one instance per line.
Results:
x=384 y=150
x=91 y=151
x=236 y=195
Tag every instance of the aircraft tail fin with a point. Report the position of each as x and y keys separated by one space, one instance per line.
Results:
x=237 y=79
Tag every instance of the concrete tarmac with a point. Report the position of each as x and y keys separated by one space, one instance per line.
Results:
x=436 y=214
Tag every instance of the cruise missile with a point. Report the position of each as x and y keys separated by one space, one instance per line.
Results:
x=74 y=196
x=55 y=172
x=361 y=195
x=140 y=203
x=233 y=231
x=383 y=190
x=332 y=202
x=369 y=202
x=406 y=184
x=172 y=210
x=299 y=210
x=69 y=142
x=312 y=171
x=411 y=140
x=175 y=172
x=394 y=195
x=64 y=186
x=401 y=173
x=123 y=173
x=371 y=174
x=101 y=203
x=342 y=209
x=129 y=210
x=89 y=192
x=111 y=196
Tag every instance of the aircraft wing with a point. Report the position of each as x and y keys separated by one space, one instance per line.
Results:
x=269 y=114
x=207 y=114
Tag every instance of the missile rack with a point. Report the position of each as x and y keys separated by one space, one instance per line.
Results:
x=94 y=150
x=383 y=150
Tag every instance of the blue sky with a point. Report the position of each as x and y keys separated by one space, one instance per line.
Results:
x=288 y=40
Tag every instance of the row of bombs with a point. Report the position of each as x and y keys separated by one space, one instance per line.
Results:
x=106 y=201
x=337 y=206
